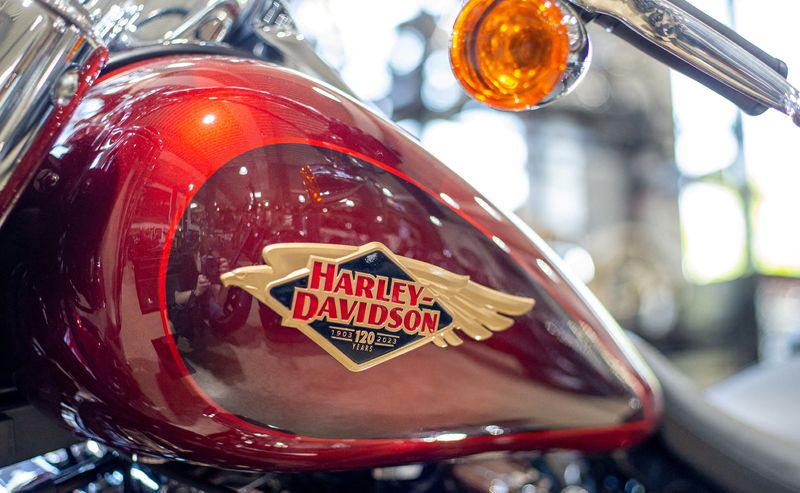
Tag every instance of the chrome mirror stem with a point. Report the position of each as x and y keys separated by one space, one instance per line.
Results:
x=682 y=34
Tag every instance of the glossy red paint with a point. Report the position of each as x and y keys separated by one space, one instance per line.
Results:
x=173 y=152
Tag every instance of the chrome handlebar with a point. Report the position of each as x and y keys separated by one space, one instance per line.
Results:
x=665 y=24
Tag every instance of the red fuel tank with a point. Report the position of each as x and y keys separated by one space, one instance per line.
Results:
x=243 y=267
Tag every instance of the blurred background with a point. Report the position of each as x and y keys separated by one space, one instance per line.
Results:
x=676 y=209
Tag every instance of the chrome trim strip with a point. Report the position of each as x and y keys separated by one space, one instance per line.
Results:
x=578 y=60
x=41 y=41
x=666 y=25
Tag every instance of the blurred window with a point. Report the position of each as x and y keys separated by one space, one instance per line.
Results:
x=739 y=172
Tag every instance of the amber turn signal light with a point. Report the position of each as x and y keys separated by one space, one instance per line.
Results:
x=510 y=54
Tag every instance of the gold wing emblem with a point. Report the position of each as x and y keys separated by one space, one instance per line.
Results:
x=476 y=310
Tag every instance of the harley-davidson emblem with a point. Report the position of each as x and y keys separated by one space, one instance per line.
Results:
x=365 y=305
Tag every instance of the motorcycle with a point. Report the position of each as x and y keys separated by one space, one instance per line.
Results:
x=223 y=272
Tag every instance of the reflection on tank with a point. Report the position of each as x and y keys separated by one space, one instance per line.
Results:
x=244 y=356
x=194 y=291
x=215 y=236
x=207 y=243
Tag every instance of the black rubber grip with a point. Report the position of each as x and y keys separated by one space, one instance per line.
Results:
x=747 y=104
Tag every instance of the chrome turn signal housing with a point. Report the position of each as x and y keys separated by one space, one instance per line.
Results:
x=518 y=54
